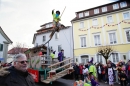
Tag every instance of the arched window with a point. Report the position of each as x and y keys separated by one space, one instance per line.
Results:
x=84 y=59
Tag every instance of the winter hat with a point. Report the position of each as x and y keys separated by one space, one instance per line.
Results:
x=91 y=61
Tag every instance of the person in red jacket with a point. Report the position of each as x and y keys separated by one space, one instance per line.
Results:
x=81 y=71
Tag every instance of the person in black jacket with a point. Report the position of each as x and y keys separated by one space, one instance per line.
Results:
x=123 y=78
x=76 y=71
x=18 y=75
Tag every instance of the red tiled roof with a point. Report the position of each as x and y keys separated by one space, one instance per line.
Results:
x=17 y=50
x=76 y=18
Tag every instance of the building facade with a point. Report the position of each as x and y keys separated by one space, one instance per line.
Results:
x=60 y=40
x=107 y=24
x=4 y=42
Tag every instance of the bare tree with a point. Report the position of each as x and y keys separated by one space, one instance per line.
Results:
x=18 y=48
x=105 y=51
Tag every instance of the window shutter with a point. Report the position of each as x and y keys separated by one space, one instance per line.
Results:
x=1 y=47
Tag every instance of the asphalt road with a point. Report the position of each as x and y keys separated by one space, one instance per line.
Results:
x=66 y=82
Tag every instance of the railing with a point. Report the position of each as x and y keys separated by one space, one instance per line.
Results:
x=57 y=64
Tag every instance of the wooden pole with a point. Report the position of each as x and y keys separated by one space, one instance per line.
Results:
x=63 y=12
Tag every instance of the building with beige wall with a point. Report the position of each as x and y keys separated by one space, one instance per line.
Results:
x=107 y=24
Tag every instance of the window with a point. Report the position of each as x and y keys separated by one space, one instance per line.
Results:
x=80 y=15
x=56 y=35
x=76 y=59
x=1 y=47
x=44 y=38
x=95 y=22
x=83 y=41
x=97 y=40
x=104 y=9
x=112 y=38
x=115 y=57
x=84 y=59
x=86 y=13
x=109 y=19
x=115 y=6
x=96 y=11
x=81 y=24
x=128 y=35
x=123 y=4
x=126 y=15
x=99 y=58
x=59 y=48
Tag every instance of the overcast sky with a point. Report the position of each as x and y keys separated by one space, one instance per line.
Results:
x=21 y=18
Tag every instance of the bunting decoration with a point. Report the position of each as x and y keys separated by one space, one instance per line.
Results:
x=105 y=25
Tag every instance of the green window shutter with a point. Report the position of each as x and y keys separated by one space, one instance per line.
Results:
x=1 y=47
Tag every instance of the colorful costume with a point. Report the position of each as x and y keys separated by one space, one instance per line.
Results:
x=56 y=18
x=60 y=56
x=110 y=76
x=92 y=69
x=52 y=56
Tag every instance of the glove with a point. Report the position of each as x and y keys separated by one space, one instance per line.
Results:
x=3 y=71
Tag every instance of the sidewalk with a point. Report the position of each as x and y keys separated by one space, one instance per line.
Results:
x=106 y=84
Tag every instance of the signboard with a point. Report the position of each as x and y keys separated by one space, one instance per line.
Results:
x=35 y=74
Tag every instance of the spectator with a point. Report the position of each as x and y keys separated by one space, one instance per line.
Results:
x=76 y=71
x=112 y=64
x=110 y=73
x=123 y=77
x=18 y=75
x=81 y=71
x=128 y=71
x=0 y=65
x=85 y=72
x=86 y=66
x=9 y=64
x=99 y=71
x=103 y=72
x=5 y=64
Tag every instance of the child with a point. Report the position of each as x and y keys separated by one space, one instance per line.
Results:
x=93 y=80
x=123 y=78
x=56 y=19
x=85 y=72
x=110 y=73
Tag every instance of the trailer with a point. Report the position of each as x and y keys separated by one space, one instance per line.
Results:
x=43 y=68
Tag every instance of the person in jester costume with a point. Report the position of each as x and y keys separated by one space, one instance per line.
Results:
x=56 y=19
x=93 y=73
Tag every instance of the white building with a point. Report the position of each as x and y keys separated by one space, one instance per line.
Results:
x=61 y=40
x=4 y=42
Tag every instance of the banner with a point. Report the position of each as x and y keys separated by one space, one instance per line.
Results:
x=105 y=25
x=35 y=74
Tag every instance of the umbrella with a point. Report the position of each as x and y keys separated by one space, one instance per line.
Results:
x=1 y=59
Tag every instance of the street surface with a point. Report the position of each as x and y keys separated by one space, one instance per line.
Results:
x=66 y=82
